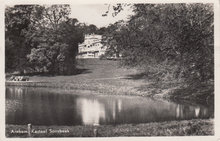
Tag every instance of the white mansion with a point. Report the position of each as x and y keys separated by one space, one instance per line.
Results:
x=91 y=47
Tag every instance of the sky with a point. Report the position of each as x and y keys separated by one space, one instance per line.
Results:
x=92 y=14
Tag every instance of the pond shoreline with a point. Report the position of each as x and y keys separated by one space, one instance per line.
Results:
x=194 y=127
x=106 y=77
x=166 y=95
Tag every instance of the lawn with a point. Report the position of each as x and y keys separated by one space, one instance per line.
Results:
x=108 y=77
x=102 y=76
x=195 y=127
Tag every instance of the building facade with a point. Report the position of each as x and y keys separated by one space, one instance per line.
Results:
x=91 y=47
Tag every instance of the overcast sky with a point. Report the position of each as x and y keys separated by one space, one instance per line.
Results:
x=92 y=14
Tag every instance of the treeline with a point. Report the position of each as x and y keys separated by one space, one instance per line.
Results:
x=168 y=41
x=42 y=38
x=172 y=45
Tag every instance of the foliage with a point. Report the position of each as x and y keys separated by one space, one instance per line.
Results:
x=92 y=29
x=111 y=39
x=174 y=40
x=51 y=38
x=18 y=19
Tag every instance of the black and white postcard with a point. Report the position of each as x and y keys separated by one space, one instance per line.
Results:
x=117 y=70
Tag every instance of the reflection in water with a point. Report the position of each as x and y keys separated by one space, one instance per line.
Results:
x=178 y=111
x=197 y=110
x=91 y=111
x=44 y=106
x=113 y=110
x=183 y=111
x=119 y=105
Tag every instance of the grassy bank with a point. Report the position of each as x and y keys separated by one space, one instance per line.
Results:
x=193 y=127
x=107 y=77
x=101 y=76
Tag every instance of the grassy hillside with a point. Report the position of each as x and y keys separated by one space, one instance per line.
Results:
x=108 y=77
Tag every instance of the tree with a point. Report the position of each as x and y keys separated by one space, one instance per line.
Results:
x=89 y=29
x=111 y=38
x=172 y=39
x=17 y=20
x=72 y=35
x=43 y=38
x=101 y=30
x=54 y=40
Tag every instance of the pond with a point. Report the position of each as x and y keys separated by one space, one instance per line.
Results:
x=47 y=106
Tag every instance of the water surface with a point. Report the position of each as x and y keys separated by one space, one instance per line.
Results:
x=46 y=106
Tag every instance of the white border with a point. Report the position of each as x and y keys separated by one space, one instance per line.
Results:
x=216 y=137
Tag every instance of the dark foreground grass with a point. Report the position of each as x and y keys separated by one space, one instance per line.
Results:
x=195 y=127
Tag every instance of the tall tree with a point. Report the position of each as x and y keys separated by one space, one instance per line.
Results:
x=17 y=20
x=72 y=35
x=55 y=40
